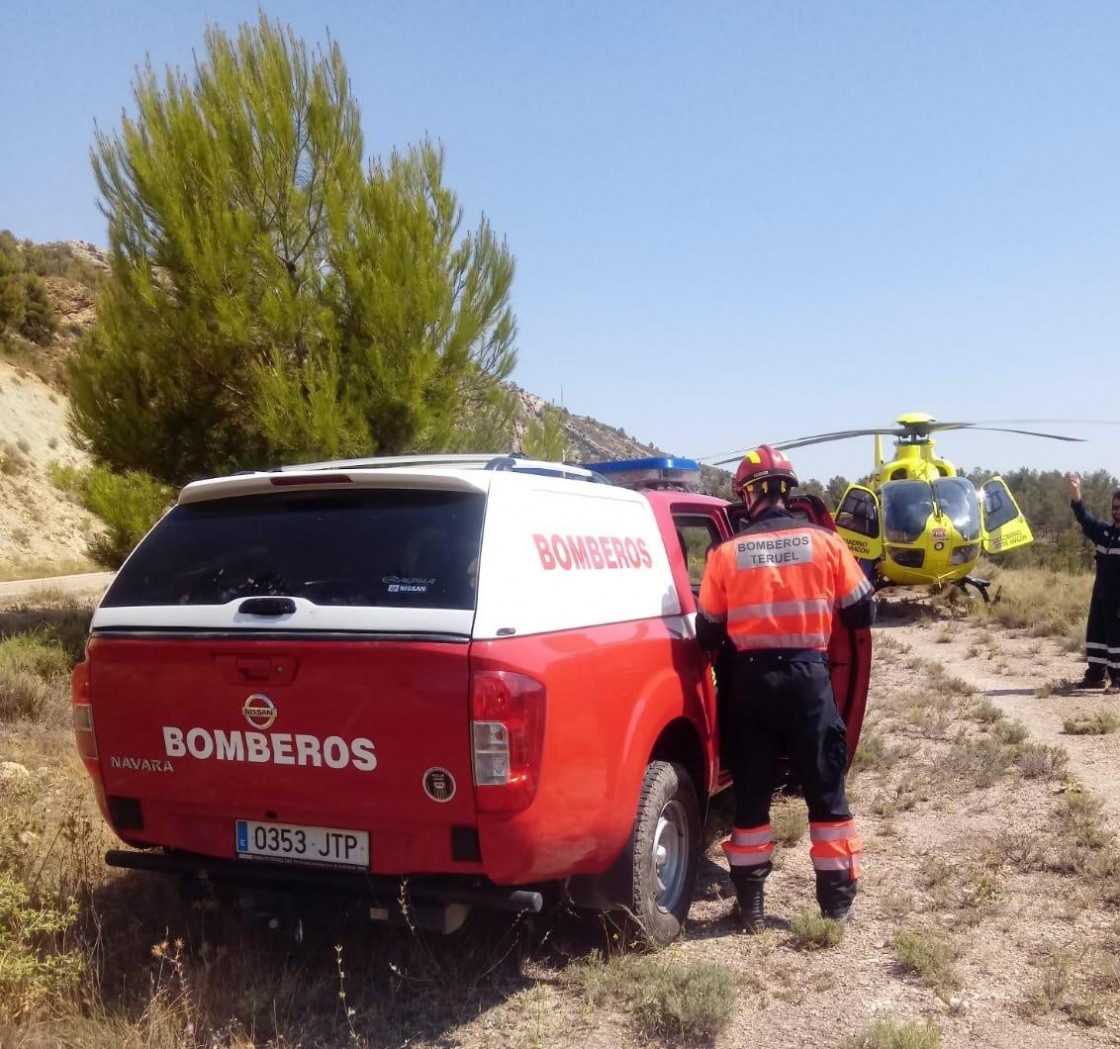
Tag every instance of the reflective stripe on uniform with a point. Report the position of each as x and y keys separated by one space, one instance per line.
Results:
x=857 y=593
x=773 y=609
x=749 y=846
x=713 y=617
x=746 y=642
x=752 y=836
x=835 y=847
x=760 y=624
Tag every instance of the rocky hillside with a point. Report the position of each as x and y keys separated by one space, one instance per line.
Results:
x=39 y=526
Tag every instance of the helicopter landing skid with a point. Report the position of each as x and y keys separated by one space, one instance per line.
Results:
x=981 y=586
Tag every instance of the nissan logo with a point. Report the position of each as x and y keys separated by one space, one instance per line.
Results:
x=259 y=711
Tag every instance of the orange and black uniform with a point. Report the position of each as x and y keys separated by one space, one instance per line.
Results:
x=773 y=590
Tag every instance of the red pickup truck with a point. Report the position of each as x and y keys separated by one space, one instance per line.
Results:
x=452 y=681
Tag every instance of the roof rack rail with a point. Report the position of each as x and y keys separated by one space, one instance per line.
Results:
x=512 y=461
x=372 y=462
x=519 y=464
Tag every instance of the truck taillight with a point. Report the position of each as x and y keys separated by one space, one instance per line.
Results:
x=507 y=737
x=82 y=712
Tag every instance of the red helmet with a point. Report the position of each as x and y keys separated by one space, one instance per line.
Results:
x=764 y=464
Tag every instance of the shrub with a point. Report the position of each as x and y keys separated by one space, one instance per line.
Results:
x=1100 y=724
x=128 y=503
x=12 y=459
x=978 y=763
x=1039 y=761
x=928 y=954
x=690 y=1002
x=34 y=971
x=30 y=667
x=813 y=932
x=890 y=1034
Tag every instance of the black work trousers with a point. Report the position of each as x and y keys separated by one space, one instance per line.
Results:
x=781 y=708
x=1102 y=631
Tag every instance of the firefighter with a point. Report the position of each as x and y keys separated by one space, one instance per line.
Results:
x=773 y=590
x=1102 y=631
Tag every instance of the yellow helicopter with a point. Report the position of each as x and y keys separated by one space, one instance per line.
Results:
x=918 y=522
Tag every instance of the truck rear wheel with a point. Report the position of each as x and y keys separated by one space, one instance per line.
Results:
x=666 y=850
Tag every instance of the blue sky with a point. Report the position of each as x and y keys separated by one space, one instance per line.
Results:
x=733 y=222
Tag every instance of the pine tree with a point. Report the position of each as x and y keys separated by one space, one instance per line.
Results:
x=270 y=298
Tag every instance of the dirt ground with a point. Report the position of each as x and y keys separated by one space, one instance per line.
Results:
x=958 y=849
x=980 y=866
x=817 y=998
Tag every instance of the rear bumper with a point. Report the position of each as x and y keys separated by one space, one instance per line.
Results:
x=378 y=890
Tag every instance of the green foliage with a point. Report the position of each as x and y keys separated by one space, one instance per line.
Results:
x=24 y=307
x=930 y=955
x=716 y=481
x=546 y=439
x=45 y=638
x=31 y=666
x=835 y=491
x=128 y=503
x=1102 y=723
x=893 y=1034
x=57 y=259
x=690 y=1002
x=812 y=932
x=270 y=299
x=33 y=971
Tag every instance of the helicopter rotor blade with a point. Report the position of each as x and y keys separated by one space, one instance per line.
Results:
x=931 y=427
x=839 y=435
x=918 y=430
x=1028 y=433
x=820 y=438
x=926 y=428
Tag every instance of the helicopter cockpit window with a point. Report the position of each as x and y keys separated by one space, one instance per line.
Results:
x=957 y=498
x=998 y=508
x=858 y=513
x=906 y=509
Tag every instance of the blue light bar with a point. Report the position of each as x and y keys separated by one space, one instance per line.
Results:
x=656 y=472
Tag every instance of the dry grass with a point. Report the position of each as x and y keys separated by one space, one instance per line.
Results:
x=811 y=932
x=128 y=964
x=895 y=1034
x=1049 y=604
x=930 y=955
x=1101 y=723
x=680 y=1002
x=46 y=569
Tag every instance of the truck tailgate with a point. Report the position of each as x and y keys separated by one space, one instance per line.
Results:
x=350 y=753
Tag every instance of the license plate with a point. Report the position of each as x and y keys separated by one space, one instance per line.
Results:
x=293 y=843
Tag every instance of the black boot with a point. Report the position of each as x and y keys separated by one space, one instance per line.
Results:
x=750 y=893
x=836 y=892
